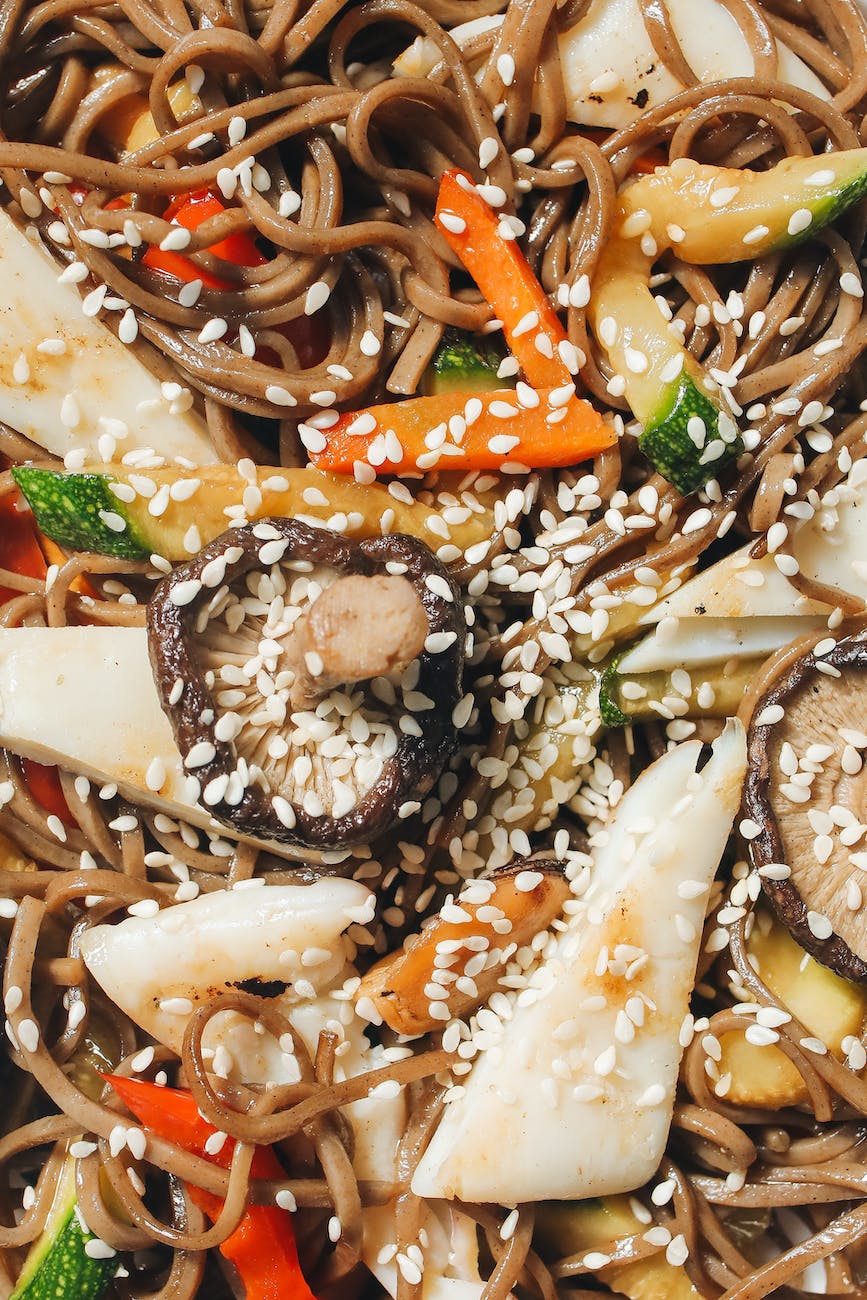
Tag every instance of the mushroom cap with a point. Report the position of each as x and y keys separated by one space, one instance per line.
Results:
x=805 y=724
x=179 y=613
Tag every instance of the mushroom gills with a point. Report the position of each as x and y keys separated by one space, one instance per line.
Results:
x=582 y=1077
x=806 y=792
x=310 y=681
x=288 y=684
x=96 y=387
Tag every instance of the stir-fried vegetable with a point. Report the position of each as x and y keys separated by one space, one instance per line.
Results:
x=67 y=1260
x=262 y=1247
x=173 y=512
x=707 y=215
x=464 y=430
x=485 y=243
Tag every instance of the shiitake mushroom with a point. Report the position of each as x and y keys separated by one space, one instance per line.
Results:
x=278 y=638
x=809 y=847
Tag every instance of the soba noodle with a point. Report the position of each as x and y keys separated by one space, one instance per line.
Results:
x=306 y=94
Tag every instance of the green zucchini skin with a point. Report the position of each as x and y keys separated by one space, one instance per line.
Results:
x=829 y=205
x=609 y=710
x=464 y=363
x=65 y=1271
x=668 y=446
x=68 y=508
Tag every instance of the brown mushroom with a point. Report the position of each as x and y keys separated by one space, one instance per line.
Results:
x=310 y=680
x=358 y=629
x=491 y=917
x=806 y=792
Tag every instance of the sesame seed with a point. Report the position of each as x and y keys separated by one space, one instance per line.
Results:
x=182 y=593
x=488 y=151
x=439 y=586
x=317 y=296
x=370 y=345
x=821 y=179
x=188 y=294
x=96 y=1248
x=819 y=926
x=527 y=323
x=605 y=83
x=663 y=1192
x=127 y=330
x=92 y=303
x=761 y=1035
x=506 y=69
x=27 y=1033
x=756 y=235
x=652 y=1096
x=279 y=396
x=176 y=239
x=800 y=221
x=176 y=1006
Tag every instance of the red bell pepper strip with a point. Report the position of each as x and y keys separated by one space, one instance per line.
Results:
x=44 y=784
x=189 y=211
x=308 y=335
x=464 y=431
x=21 y=552
x=262 y=1247
x=532 y=328
x=19 y=545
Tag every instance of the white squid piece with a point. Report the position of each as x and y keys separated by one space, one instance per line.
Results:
x=575 y=1100
x=95 y=386
x=609 y=62
x=157 y=969
x=50 y=712
x=742 y=607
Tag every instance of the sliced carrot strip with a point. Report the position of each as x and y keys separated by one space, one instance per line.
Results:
x=532 y=328
x=463 y=431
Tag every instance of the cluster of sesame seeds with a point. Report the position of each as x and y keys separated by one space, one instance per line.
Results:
x=323 y=758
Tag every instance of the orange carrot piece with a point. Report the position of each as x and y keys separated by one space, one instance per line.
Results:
x=532 y=328
x=463 y=431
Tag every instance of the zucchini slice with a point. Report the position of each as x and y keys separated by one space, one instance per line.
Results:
x=173 y=512
x=464 y=363
x=59 y=1265
x=572 y=1227
x=826 y=1005
x=708 y=215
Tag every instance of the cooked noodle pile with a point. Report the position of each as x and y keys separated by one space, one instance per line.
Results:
x=347 y=150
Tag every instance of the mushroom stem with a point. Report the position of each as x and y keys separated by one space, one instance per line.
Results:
x=358 y=628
